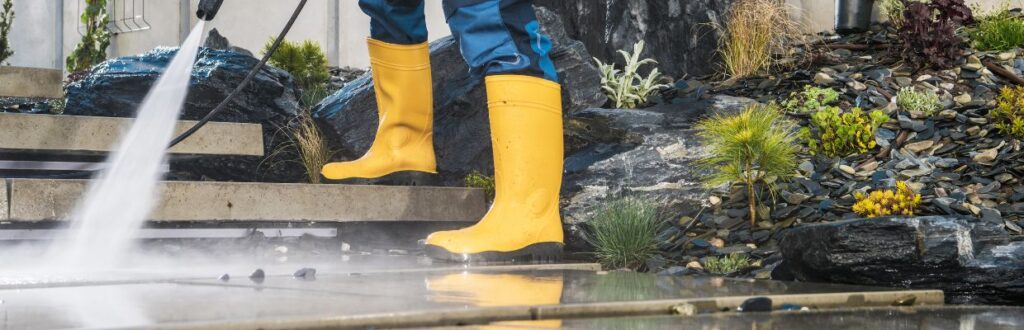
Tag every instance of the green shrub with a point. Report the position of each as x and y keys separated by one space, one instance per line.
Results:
x=810 y=100
x=1000 y=31
x=478 y=180
x=754 y=146
x=92 y=49
x=624 y=233
x=1008 y=115
x=726 y=264
x=627 y=89
x=303 y=60
x=926 y=102
x=839 y=134
x=6 y=20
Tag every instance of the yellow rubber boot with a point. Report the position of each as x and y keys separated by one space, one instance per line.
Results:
x=523 y=223
x=405 y=135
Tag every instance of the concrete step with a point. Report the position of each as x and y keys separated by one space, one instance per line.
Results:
x=90 y=135
x=31 y=82
x=35 y=200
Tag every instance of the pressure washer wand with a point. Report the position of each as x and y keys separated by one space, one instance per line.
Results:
x=207 y=11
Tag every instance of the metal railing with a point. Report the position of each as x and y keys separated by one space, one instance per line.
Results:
x=126 y=16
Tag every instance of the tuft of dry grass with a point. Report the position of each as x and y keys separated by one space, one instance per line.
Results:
x=754 y=31
x=313 y=151
x=305 y=146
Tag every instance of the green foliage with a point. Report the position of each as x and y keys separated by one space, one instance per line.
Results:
x=926 y=102
x=478 y=180
x=6 y=20
x=624 y=233
x=810 y=100
x=303 y=60
x=1001 y=31
x=893 y=11
x=726 y=264
x=92 y=49
x=839 y=134
x=57 y=106
x=1008 y=115
x=311 y=96
x=627 y=88
x=754 y=146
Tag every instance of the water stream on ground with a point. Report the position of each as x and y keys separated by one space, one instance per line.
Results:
x=121 y=197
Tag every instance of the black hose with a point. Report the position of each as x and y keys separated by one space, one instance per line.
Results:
x=220 y=107
x=245 y=82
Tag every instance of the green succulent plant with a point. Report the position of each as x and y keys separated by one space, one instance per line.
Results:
x=1008 y=115
x=836 y=133
x=810 y=100
x=926 y=102
x=626 y=88
x=726 y=264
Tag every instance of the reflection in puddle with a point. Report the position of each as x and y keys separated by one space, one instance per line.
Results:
x=499 y=290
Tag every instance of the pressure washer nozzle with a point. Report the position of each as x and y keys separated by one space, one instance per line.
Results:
x=208 y=9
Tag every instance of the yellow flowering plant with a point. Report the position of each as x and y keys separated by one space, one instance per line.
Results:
x=901 y=201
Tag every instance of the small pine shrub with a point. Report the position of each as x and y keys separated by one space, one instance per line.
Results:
x=726 y=264
x=810 y=100
x=305 y=60
x=478 y=180
x=92 y=49
x=6 y=20
x=627 y=89
x=754 y=146
x=928 y=35
x=754 y=29
x=926 y=102
x=1001 y=31
x=835 y=134
x=1008 y=115
x=880 y=203
x=624 y=233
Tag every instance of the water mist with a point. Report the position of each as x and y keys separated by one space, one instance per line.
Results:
x=119 y=200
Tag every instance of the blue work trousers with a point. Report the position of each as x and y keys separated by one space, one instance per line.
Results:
x=495 y=36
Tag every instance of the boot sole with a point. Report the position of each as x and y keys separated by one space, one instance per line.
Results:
x=536 y=253
x=401 y=178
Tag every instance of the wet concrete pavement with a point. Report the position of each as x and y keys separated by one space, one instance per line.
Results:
x=888 y=318
x=382 y=291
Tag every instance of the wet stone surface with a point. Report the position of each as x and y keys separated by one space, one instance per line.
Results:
x=148 y=296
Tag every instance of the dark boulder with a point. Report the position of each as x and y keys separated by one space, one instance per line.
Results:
x=972 y=261
x=116 y=87
x=680 y=34
x=461 y=129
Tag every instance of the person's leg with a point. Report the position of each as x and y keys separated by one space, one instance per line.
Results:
x=501 y=39
x=396 y=21
x=400 y=65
